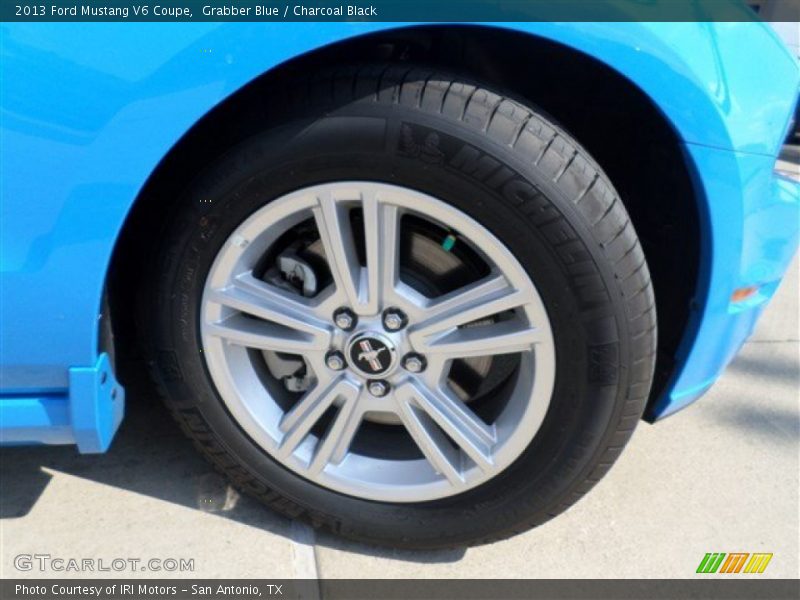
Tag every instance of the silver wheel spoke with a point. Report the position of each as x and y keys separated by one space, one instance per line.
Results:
x=462 y=425
x=505 y=337
x=444 y=459
x=443 y=332
x=381 y=232
x=480 y=300
x=252 y=333
x=301 y=418
x=259 y=299
x=334 y=446
x=284 y=323
x=333 y=222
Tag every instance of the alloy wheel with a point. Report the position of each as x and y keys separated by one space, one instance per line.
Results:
x=309 y=350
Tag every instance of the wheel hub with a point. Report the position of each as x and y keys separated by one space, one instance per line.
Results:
x=371 y=355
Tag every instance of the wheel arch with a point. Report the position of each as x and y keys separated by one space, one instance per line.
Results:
x=602 y=108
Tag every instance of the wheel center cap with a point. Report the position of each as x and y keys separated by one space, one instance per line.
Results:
x=371 y=354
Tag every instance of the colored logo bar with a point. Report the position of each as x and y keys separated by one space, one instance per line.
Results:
x=734 y=562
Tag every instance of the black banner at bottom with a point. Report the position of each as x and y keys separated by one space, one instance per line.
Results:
x=400 y=589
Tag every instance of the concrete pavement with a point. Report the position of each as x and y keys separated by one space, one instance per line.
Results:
x=722 y=476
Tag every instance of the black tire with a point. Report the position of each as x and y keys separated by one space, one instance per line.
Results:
x=514 y=171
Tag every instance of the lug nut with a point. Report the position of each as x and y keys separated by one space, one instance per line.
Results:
x=414 y=363
x=345 y=319
x=335 y=360
x=378 y=388
x=394 y=319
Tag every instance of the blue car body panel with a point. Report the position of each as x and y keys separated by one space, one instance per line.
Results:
x=89 y=111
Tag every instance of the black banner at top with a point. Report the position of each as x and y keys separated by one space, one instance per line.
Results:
x=463 y=11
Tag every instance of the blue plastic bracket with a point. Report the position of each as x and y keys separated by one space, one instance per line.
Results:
x=96 y=405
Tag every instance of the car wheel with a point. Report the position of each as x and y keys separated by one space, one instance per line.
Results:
x=412 y=310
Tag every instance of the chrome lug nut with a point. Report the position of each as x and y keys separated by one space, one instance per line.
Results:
x=335 y=360
x=394 y=319
x=414 y=363
x=378 y=388
x=345 y=319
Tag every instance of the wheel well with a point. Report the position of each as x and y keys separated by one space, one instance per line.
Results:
x=617 y=123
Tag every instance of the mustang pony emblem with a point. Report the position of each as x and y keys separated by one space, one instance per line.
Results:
x=370 y=355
